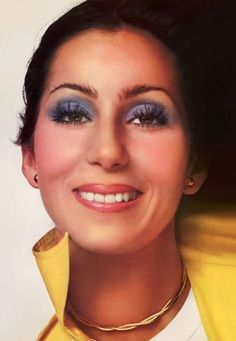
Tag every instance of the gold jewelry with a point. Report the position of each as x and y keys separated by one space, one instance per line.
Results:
x=36 y=178
x=189 y=181
x=150 y=319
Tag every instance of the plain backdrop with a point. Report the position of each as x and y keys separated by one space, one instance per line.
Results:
x=25 y=308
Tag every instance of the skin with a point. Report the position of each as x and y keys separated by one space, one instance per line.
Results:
x=109 y=150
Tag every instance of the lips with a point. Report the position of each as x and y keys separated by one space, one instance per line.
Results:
x=107 y=198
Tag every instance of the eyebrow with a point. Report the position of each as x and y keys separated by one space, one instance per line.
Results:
x=124 y=94
x=139 y=89
x=84 y=89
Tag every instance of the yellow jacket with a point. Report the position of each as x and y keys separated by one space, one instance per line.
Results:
x=208 y=247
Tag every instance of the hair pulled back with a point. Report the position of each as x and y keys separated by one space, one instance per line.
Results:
x=179 y=25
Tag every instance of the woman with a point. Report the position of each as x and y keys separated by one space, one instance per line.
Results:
x=108 y=139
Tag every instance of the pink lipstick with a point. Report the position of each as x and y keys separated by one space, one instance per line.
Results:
x=107 y=198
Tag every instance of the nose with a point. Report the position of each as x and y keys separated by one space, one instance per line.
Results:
x=107 y=149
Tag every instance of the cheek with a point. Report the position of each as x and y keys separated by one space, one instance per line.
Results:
x=57 y=150
x=163 y=158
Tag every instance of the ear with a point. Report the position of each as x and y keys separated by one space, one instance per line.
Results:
x=196 y=173
x=29 y=168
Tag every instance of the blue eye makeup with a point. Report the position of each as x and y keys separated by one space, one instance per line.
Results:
x=149 y=115
x=71 y=111
x=76 y=111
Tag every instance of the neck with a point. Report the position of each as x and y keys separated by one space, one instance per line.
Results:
x=125 y=288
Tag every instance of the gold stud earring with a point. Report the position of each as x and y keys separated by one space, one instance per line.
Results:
x=36 y=178
x=189 y=181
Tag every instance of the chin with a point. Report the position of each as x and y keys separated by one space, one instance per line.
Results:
x=106 y=243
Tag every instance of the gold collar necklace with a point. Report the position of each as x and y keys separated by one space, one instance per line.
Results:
x=150 y=319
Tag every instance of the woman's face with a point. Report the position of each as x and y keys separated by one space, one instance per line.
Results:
x=110 y=147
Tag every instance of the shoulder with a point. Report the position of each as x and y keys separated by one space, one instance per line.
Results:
x=207 y=241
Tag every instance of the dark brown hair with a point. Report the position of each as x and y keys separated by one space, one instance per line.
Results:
x=188 y=28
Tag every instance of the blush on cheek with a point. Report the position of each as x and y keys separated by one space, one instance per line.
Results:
x=162 y=158
x=57 y=150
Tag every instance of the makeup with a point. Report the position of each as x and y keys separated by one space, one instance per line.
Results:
x=148 y=114
x=71 y=110
x=107 y=198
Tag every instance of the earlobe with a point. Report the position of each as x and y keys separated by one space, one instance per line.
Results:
x=29 y=168
x=190 y=186
x=196 y=174
x=193 y=183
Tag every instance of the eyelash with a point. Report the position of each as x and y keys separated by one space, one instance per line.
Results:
x=69 y=113
x=149 y=115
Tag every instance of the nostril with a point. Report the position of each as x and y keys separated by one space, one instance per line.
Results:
x=109 y=165
x=108 y=156
x=117 y=165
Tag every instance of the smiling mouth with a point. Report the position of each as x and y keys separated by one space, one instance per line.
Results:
x=107 y=198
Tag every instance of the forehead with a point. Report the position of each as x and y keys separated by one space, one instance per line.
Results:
x=109 y=61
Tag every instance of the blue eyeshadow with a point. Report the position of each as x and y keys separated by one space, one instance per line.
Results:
x=70 y=105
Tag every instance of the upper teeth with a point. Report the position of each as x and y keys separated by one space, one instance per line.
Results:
x=108 y=198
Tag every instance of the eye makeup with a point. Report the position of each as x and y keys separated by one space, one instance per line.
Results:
x=77 y=111
x=149 y=115
x=71 y=110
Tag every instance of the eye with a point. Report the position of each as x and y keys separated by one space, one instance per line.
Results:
x=70 y=113
x=149 y=115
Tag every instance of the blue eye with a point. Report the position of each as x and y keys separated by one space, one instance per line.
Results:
x=70 y=112
x=149 y=115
